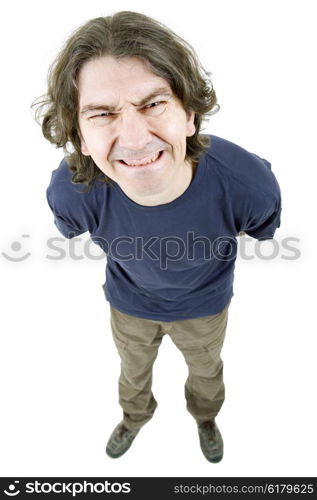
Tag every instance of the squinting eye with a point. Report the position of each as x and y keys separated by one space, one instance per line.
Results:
x=101 y=115
x=153 y=104
x=155 y=108
x=101 y=118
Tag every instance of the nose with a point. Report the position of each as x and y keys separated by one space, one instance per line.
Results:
x=133 y=130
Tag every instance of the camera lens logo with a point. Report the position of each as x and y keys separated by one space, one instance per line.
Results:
x=13 y=492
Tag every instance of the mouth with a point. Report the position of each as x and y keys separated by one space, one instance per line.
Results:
x=143 y=162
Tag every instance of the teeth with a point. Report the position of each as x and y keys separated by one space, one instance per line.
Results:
x=134 y=163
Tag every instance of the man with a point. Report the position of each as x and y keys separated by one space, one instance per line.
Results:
x=163 y=201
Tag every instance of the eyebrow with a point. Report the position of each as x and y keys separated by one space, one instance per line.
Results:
x=162 y=91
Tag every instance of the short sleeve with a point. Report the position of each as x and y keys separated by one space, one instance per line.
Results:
x=63 y=223
x=258 y=203
x=264 y=219
x=65 y=202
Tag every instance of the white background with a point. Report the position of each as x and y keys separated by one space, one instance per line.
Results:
x=59 y=366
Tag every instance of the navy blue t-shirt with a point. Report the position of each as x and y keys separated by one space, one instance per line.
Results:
x=176 y=260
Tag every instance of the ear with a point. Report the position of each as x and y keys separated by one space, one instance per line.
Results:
x=191 y=129
x=83 y=147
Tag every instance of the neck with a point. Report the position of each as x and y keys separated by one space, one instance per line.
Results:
x=173 y=190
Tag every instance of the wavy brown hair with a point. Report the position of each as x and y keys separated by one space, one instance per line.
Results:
x=125 y=34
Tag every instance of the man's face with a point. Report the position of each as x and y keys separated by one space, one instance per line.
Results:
x=132 y=125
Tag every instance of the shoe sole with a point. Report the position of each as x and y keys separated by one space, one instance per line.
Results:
x=215 y=460
x=116 y=455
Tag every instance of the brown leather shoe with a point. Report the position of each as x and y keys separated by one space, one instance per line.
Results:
x=120 y=441
x=211 y=442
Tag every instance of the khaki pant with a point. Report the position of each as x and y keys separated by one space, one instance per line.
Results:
x=200 y=340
